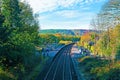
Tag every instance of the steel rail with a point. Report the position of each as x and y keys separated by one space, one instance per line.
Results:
x=61 y=62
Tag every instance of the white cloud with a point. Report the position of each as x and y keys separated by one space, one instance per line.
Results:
x=49 y=5
x=82 y=20
x=42 y=5
x=79 y=24
x=68 y=13
x=67 y=3
x=74 y=13
x=68 y=25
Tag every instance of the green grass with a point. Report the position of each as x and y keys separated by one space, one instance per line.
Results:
x=36 y=70
x=97 y=69
x=5 y=75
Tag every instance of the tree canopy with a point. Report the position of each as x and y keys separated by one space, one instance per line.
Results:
x=18 y=37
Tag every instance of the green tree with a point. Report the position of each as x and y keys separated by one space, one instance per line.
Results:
x=106 y=22
x=11 y=11
x=19 y=36
x=117 y=40
x=10 y=22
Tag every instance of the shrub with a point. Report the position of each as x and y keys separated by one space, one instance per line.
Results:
x=97 y=69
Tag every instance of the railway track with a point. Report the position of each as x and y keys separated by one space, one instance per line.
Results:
x=61 y=68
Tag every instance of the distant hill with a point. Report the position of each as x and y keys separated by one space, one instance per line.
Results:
x=82 y=31
x=65 y=31
x=54 y=31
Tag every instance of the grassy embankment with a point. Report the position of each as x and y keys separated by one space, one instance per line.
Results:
x=37 y=70
x=99 y=69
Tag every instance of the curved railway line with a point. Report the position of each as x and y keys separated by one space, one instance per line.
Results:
x=61 y=67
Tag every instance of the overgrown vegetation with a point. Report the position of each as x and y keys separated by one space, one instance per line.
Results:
x=105 y=43
x=56 y=38
x=105 y=50
x=18 y=39
x=98 y=69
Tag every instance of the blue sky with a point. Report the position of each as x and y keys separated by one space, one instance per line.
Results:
x=66 y=14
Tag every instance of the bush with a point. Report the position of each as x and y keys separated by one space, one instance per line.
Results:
x=4 y=75
x=97 y=69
